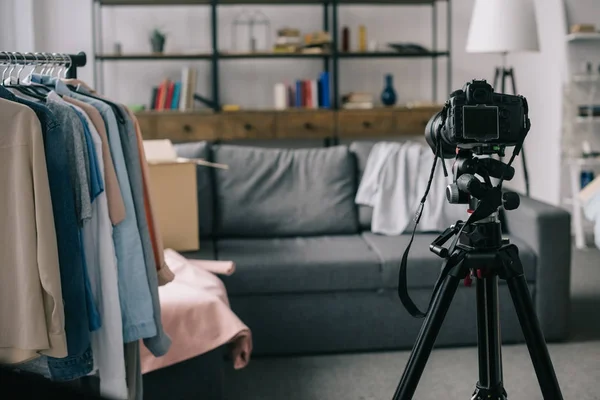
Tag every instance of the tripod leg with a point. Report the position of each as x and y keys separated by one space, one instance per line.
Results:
x=488 y=334
x=536 y=344
x=426 y=339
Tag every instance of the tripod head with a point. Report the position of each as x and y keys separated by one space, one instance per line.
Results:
x=467 y=188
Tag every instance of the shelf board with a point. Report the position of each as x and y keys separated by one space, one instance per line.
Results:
x=586 y=78
x=154 y=56
x=207 y=56
x=272 y=2
x=587 y=120
x=272 y=55
x=391 y=54
x=583 y=161
x=578 y=37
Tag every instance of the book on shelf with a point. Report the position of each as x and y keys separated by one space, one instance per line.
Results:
x=175 y=95
x=309 y=93
x=357 y=101
x=357 y=105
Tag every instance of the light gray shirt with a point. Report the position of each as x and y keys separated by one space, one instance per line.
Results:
x=76 y=152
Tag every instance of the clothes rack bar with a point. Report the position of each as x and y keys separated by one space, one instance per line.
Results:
x=72 y=61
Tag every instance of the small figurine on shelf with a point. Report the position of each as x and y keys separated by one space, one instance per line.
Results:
x=388 y=95
x=157 y=40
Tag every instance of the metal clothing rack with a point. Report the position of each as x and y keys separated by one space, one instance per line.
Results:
x=70 y=61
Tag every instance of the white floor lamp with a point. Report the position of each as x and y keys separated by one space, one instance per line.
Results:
x=503 y=27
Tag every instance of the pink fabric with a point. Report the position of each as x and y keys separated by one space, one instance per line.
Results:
x=196 y=315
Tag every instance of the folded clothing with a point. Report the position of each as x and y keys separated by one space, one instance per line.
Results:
x=197 y=316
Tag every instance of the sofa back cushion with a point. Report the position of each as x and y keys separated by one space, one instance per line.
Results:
x=361 y=151
x=284 y=192
x=206 y=196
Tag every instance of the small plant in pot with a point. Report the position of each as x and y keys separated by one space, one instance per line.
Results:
x=157 y=40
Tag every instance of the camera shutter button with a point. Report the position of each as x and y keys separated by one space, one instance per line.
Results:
x=457 y=93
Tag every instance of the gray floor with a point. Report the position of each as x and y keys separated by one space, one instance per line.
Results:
x=450 y=373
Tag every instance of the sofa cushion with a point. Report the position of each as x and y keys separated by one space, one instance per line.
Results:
x=206 y=252
x=205 y=184
x=285 y=192
x=424 y=266
x=361 y=151
x=298 y=265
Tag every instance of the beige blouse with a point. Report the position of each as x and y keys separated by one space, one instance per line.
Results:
x=31 y=310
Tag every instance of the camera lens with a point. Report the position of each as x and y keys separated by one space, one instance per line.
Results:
x=432 y=137
x=480 y=95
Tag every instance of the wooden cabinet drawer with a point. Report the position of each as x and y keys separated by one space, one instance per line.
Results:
x=147 y=125
x=186 y=127
x=305 y=124
x=251 y=125
x=413 y=122
x=365 y=123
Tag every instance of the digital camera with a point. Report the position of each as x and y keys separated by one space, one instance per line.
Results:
x=477 y=118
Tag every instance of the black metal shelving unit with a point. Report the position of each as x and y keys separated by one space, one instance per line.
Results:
x=331 y=61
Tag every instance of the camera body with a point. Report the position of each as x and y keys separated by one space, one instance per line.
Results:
x=478 y=118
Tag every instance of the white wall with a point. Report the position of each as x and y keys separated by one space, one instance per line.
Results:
x=66 y=27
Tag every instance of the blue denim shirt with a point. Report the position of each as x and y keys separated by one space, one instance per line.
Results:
x=96 y=187
x=96 y=182
x=79 y=362
x=134 y=291
x=159 y=344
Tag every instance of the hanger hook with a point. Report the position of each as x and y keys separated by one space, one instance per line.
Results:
x=61 y=65
x=6 y=63
x=34 y=62
x=69 y=65
x=22 y=67
x=53 y=61
x=45 y=63
x=14 y=65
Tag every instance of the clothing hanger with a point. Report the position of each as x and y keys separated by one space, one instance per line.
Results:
x=24 y=89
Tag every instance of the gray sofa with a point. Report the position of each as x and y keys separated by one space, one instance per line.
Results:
x=312 y=278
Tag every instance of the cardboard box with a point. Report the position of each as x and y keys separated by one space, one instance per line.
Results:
x=174 y=193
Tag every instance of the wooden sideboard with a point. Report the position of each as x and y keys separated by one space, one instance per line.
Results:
x=288 y=124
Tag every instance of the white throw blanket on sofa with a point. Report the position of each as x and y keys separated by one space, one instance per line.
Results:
x=395 y=179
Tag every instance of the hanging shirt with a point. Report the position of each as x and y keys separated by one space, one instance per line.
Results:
x=32 y=316
x=107 y=342
x=165 y=275
x=77 y=156
x=116 y=207
x=96 y=188
x=159 y=344
x=72 y=269
x=134 y=292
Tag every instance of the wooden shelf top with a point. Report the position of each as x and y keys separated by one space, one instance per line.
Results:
x=273 y=2
x=203 y=111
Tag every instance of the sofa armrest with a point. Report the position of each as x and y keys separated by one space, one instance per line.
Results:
x=547 y=230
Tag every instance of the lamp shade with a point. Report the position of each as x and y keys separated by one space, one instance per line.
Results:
x=503 y=26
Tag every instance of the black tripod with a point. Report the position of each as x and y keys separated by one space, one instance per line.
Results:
x=482 y=253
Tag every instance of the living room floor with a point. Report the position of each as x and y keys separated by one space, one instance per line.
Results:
x=451 y=372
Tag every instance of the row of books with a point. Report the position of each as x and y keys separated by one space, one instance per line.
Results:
x=175 y=95
x=311 y=93
x=357 y=101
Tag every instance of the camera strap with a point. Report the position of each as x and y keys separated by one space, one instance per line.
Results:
x=488 y=205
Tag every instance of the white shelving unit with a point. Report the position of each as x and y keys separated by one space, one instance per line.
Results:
x=582 y=89
x=574 y=37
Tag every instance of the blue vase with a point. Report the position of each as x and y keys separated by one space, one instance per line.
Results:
x=388 y=96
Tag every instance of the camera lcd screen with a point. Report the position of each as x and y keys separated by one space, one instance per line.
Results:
x=480 y=123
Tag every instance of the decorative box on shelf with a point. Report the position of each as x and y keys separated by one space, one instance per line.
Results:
x=285 y=124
